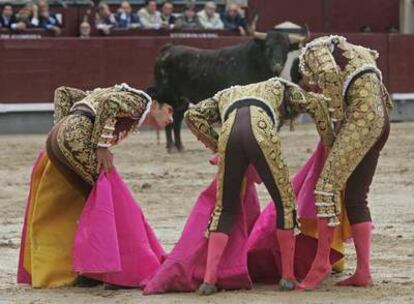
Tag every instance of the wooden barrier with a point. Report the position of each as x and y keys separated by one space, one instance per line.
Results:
x=30 y=70
x=328 y=15
x=401 y=63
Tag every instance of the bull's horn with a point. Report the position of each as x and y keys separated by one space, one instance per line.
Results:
x=308 y=34
x=260 y=35
x=295 y=38
x=254 y=22
x=252 y=27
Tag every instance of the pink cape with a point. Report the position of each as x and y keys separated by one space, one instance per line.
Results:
x=114 y=242
x=264 y=260
x=184 y=268
x=252 y=255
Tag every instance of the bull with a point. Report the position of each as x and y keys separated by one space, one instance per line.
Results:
x=188 y=75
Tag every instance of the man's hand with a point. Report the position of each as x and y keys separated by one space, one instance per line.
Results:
x=104 y=158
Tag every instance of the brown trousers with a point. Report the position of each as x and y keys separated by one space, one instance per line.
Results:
x=357 y=186
x=241 y=151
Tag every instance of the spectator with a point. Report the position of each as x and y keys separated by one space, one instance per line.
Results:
x=365 y=29
x=85 y=29
x=392 y=29
x=7 y=17
x=104 y=20
x=189 y=20
x=125 y=18
x=167 y=17
x=233 y=19
x=26 y=18
x=48 y=20
x=208 y=17
x=149 y=16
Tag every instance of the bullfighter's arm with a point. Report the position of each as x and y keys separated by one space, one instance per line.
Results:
x=64 y=99
x=316 y=106
x=200 y=120
x=328 y=78
x=113 y=106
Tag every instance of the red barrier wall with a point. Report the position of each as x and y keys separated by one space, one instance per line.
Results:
x=401 y=63
x=31 y=69
x=351 y=15
x=273 y=12
x=328 y=15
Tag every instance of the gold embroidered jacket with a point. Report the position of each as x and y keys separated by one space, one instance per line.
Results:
x=276 y=93
x=117 y=110
x=333 y=63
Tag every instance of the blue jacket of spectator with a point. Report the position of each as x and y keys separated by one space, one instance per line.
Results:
x=233 y=23
x=124 y=21
x=49 y=22
x=7 y=22
x=170 y=19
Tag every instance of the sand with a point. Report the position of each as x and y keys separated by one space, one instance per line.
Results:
x=167 y=185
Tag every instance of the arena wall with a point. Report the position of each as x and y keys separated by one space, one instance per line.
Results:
x=31 y=69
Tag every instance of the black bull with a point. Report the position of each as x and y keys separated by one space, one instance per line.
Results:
x=186 y=75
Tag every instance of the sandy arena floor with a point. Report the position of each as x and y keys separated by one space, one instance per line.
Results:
x=167 y=185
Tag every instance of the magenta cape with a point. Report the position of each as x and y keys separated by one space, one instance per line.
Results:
x=184 y=268
x=252 y=254
x=264 y=260
x=114 y=242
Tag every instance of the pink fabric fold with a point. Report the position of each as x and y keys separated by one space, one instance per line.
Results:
x=114 y=242
x=304 y=183
x=264 y=255
x=184 y=268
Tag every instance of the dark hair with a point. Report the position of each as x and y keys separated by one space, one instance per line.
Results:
x=160 y=95
x=7 y=4
x=295 y=73
x=148 y=1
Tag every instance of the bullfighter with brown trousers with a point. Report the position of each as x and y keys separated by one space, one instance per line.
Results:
x=250 y=115
x=359 y=105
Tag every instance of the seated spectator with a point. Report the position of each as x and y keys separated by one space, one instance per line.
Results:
x=27 y=17
x=125 y=18
x=7 y=17
x=392 y=29
x=365 y=29
x=48 y=20
x=149 y=16
x=167 y=17
x=233 y=19
x=104 y=20
x=189 y=19
x=85 y=29
x=208 y=17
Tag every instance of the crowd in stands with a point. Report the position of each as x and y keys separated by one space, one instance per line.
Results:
x=149 y=17
x=36 y=14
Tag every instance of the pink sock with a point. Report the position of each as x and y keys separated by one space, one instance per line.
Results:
x=321 y=266
x=361 y=233
x=216 y=244
x=286 y=241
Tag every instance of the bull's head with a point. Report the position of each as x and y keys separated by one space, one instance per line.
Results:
x=276 y=46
